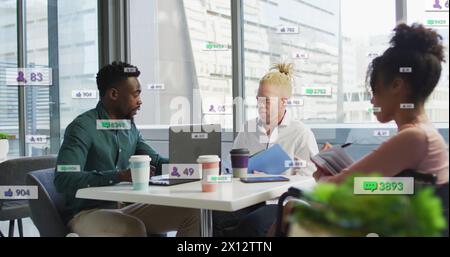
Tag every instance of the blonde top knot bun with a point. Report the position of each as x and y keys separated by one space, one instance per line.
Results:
x=284 y=68
x=281 y=75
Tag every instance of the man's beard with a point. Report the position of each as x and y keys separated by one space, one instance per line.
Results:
x=130 y=117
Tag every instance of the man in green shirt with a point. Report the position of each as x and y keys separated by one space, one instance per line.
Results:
x=96 y=153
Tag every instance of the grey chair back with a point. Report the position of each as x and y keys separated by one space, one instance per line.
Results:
x=47 y=210
x=13 y=172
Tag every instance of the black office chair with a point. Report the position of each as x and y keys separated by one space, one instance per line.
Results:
x=441 y=191
x=13 y=173
x=282 y=227
x=421 y=180
x=46 y=211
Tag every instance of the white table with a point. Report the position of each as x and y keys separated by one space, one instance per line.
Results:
x=228 y=197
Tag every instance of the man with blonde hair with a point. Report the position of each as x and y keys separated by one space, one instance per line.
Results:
x=274 y=125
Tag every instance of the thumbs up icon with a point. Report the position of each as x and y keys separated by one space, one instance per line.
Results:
x=9 y=193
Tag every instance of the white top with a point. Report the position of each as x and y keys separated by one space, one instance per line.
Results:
x=293 y=136
x=417 y=147
x=228 y=197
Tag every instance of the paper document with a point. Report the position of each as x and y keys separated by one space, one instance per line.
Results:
x=271 y=161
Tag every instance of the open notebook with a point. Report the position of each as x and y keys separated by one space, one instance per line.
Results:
x=333 y=160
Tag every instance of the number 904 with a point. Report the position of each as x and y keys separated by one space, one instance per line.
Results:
x=22 y=192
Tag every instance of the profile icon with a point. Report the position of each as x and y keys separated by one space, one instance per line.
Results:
x=437 y=4
x=21 y=77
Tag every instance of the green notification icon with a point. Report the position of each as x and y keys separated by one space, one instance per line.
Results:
x=113 y=124
x=383 y=185
x=106 y=124
x=370 y=185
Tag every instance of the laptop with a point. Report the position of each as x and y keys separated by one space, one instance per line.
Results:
x=164 y=181
x=186 y=144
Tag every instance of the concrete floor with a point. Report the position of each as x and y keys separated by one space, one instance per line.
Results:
x=29 y=230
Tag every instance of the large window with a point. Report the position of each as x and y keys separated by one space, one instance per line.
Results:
x=331 y=44
x=9 y=116
x=61 y=35
x=78 y=57
x=432 y=13
x=183 y=49
x=37 y=98
x=364 y=36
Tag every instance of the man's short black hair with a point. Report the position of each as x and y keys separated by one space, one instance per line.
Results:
x=111 y=74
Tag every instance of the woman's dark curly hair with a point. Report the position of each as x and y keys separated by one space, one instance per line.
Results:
x=414 y=47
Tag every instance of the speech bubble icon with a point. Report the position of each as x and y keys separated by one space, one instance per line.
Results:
x=370 y=185
x=106 y=124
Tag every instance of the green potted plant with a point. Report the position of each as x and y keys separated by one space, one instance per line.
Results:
x=4 y=145
x=335 y=210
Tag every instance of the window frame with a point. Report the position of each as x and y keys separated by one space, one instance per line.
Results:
x=238 y=68
x=114 y=37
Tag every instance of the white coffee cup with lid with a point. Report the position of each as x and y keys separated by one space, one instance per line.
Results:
x=210 y=167
x=140 y=171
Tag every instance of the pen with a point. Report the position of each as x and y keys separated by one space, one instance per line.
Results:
x=345 y=145
x=256 y=153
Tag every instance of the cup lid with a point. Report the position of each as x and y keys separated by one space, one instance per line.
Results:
x=240 y=151
x=140 y=158
x=208 y=158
